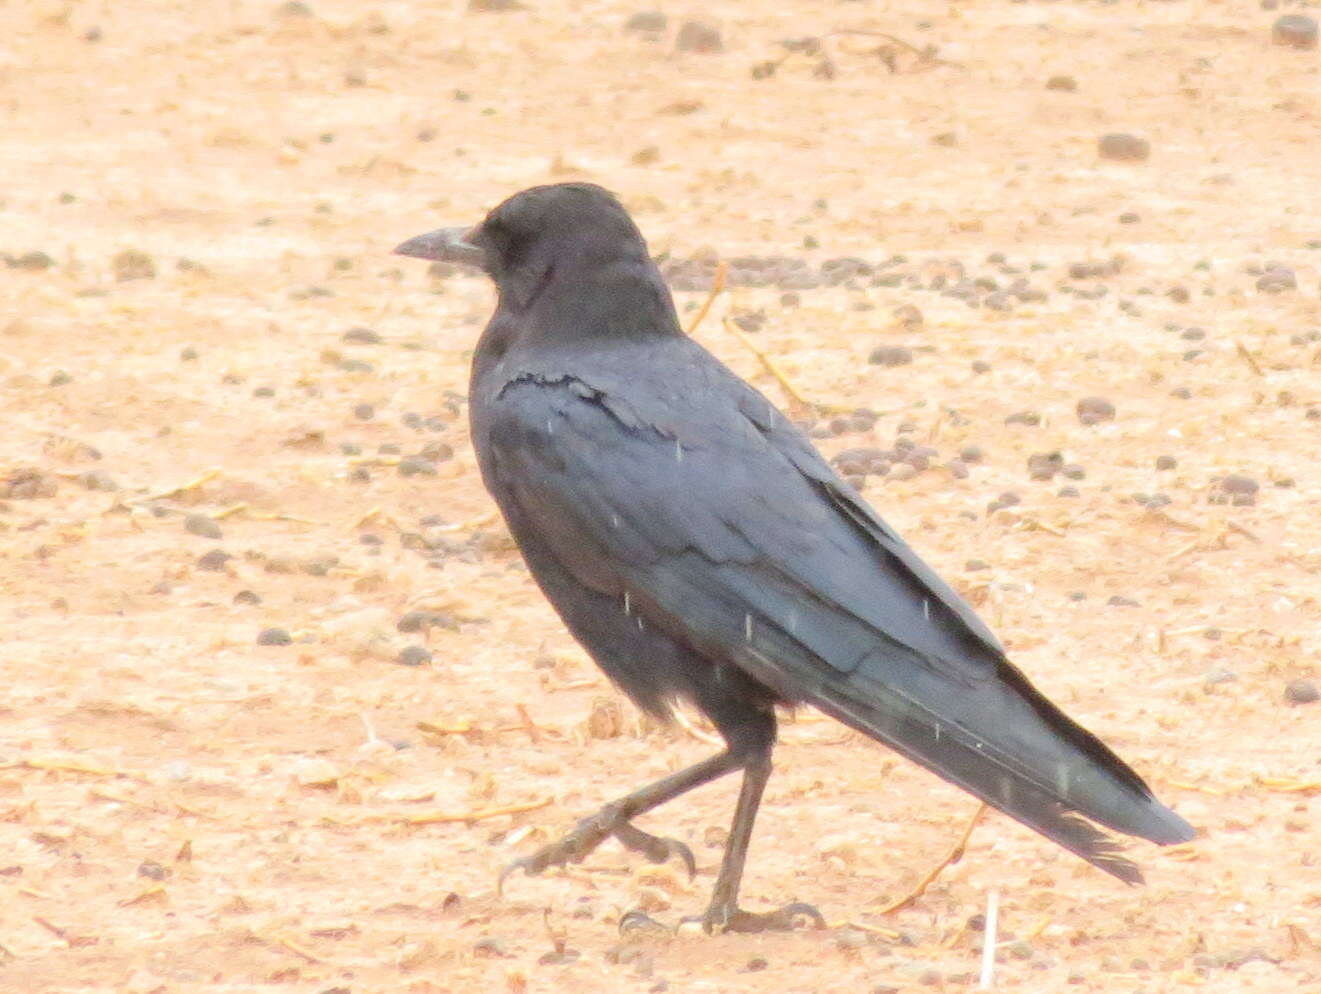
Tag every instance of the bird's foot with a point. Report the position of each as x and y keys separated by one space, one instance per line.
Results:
x=590 y=833
x=656 y=848
x=722 y=918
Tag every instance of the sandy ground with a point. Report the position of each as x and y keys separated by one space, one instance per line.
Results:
x=216 y=187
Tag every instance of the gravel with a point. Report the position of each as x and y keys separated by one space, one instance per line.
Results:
x=1123 y=147
x=200 y=524
x=414 y=655
x=1294 y=31
x=274 y=636
x=1094 y=410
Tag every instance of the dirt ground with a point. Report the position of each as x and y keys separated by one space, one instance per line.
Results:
x=216 y=187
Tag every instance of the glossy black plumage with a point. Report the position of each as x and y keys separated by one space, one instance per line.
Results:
x=699 y=548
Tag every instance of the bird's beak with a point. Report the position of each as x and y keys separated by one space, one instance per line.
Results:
x=444 y=245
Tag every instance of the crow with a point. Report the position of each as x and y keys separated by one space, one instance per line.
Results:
x=701 y=550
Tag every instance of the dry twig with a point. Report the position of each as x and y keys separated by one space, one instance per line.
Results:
x=182 y=488
x=1246 y=356
x=717 y=284
x=953 y=856
x=60 y=766
x=480 y=814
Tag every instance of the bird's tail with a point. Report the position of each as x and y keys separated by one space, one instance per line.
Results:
x=1008 y=745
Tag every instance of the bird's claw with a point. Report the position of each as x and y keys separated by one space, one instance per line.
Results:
x=723 y=919
x=638 y=921
x=573 y=848
x=590 y=833
x=654 y=847
x=510 y=869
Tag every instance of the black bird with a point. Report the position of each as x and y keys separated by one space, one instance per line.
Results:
x=700 y=549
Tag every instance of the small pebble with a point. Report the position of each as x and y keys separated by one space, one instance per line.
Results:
x=200 y=524
x=436 y=452
x=1117 y=601
x=1215 y=676
x=976 y=565
x=1302 y=691
x=364 y=412
x=414 y=655
x=1277 y=280
x=362 y=336
x=152 y=870
x=1067 y=492
x=1294 y=31
x=188 y=354
x=750 y=321
x=99 y=480
x=133 y=265
x=1065 y=84
x=647 y=22
x=416 y=466
x=980 y=366
x=903 y=471
x=1072 y=471
x=890 y=355
x=957 y=468
x=274 y=636
x=1029 y=418
x=422 y=621
x=909 y=316
x=972 y=454
x=1237 y=483
x=1044 y=465
x=29 y=260
x=1166 y=462
x=59 y=378
x=1122 y=147
x=248 y=597
x=214 y=561
x=1094 y=410
x=694 y=36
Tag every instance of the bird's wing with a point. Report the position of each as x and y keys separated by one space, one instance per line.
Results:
x=723 y=526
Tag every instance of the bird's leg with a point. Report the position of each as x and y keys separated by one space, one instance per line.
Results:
x=724 y=914
x=613 y=820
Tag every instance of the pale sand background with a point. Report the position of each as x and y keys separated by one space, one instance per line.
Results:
x=281 y=154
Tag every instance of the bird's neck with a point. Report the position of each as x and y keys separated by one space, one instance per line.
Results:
x=624 y=301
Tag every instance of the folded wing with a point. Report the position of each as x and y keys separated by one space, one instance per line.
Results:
x=720 y=524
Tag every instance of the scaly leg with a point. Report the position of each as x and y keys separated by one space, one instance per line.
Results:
x=724 y=914
x=614 y=818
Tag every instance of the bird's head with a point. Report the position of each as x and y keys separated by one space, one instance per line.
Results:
x=565 y=229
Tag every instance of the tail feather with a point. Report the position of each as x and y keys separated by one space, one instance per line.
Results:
x=976 y=767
